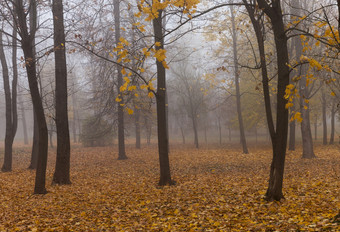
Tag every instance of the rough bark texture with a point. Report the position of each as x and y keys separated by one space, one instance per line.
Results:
x=121 y=135
x=237 y=85
x=274 y=12
x=163 y=145
x=62 y=167
x=27 y=38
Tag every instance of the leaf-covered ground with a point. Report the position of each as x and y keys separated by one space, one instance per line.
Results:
x=218 y=189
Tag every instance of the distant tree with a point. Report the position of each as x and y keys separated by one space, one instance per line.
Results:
x=189 y=87
x=96 y=132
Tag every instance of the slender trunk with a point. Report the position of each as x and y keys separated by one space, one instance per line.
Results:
x=237 y=85
x=333 y=111
x=279 y=140
x=35 y=145
x=7 y=165
x=137 y=127
x=121 y=135
x=220 y=130
x=27 y=44
x=62 y=167
x=163 y=144
x=194 y=126
x=74 y=121
x=324 y=118
x=14 y=85
x=183 y=136
x=23 y=118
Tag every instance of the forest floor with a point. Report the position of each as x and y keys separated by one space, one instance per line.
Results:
x=218 y=189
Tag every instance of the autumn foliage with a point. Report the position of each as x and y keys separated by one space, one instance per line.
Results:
x=218 y=189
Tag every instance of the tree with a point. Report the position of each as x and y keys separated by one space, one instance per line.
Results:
x=27 y=37
x=189 y=88
x=237 y=85
x=11 y=102
x=279 y=140
x=62 y=167
x=121 y=136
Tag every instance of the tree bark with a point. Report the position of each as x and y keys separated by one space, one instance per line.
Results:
x=163 y=145
x=121 y=135
x=7 y=165
x=279 y=141
x=23 y=118
x=35 y=144
x=62 y=167
x=237 y=85
x=27 y=44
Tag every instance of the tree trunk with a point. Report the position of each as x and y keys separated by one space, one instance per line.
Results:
x=62 y=167
x=194 y=126
x=27 y=44
x=35 y=144
x=7 y=165
x=75 y=114
x=51 y=138
x=163 y=149
x=183 y=136
x=316 y=130
x=137 y=127
x=279 y=141
x=220 y=130
x=121 y=135
x=23 y=118
x=324 y=118
x=237 y=85
x=333 y=111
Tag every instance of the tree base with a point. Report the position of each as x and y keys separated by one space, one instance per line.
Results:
x=166 y=182
x=40 y=191
x=61 y=182
x=5 y=169
x=123 y=157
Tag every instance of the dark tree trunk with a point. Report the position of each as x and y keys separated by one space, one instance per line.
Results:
x=14 y=84
x=237 y=85
x=23 y=118
x=279 y=141
x=27 y=44
x=163 y=145
x=7 y=165
x=324 y=118
x=333 y=111
x=62 y=167
x=121 y=135
x=35 y=145
x=137 y=127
